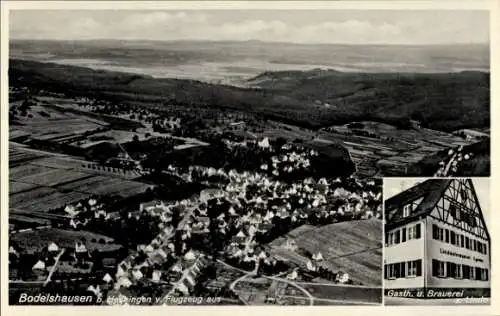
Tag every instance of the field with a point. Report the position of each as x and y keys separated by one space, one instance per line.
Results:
x=354 y=247
x=44 y=182
x=18 y=157
x=389 y=150
x=255 y=291
x=49 y=124
x=40 y=238
x=344 y=292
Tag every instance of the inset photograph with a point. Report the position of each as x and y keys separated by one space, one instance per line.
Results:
x=437 y=245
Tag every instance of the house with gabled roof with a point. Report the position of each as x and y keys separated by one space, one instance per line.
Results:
x=436 y=240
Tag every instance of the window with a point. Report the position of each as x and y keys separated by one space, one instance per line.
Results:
x=414 y=232
x=485 y=249
x=441 y=234
x=480 y=247
x=397 y=270
x=412 y=269
x=472 y=273
x=419 y=267
x=462 y=241
x=463 y=194
x=415 y=268
x=438 y=268
x=390 y=239
x=403 y=235
x=458 y=271
x=391 y=271
x=386 y=239
x=450 y=269
x=484 y=274
x=466 y=271
x=473 y=221
x=467 y=243
x=397 y=238
x=435 y=232
x=406 y=210
x=403 y=269
x=474 y=245
x=463 y=215
x=452 y=237
x=470 y=219
x=453 y=210
x=478 y=274
x=447 y=235
x=411 y=232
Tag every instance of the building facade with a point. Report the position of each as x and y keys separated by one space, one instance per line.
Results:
x=436 y=242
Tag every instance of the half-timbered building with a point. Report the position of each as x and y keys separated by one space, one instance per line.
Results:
x=436 y=240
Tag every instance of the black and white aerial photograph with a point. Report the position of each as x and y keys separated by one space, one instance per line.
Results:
x=229 y=157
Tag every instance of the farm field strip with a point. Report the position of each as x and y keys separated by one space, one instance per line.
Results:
x=59 y=163
x=30 y=196
x=17 y=158
x=54 y=177
x=17 y=187
x=28 y=219
x=55 y=199
x=37 y=239
x=105 y=185
x=50 y=200
x=118 y=187
x=52 y=182
x=86 y=184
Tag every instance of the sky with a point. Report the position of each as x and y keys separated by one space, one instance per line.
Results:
x=299 y=26
x=481 y=185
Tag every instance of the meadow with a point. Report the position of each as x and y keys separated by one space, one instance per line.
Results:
x=354 y=247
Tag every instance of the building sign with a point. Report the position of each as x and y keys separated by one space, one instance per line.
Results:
x=454 y=254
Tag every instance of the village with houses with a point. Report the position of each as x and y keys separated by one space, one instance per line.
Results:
x=137 y=207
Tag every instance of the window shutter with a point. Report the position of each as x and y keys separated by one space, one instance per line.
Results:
x=417 y=227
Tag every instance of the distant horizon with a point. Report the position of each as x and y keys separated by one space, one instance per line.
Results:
x=244 y=41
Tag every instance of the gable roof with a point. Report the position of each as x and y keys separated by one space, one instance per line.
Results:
x=430 y=190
